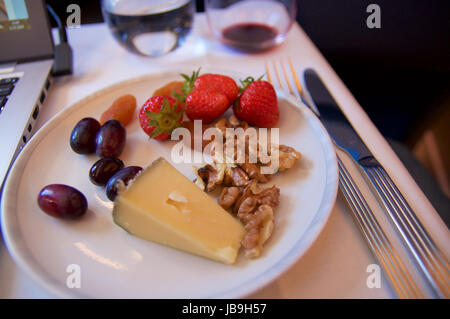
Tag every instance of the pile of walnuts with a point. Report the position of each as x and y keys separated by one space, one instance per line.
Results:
x=242 y=191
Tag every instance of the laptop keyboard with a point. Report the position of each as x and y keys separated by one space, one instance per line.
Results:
x=6 y=87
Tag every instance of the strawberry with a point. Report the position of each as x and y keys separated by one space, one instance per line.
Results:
x=257 y=103
x=219 y=83
x=208 y=96
x=206 y=105
x=159 y=116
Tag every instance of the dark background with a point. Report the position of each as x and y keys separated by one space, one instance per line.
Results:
x=400 y=74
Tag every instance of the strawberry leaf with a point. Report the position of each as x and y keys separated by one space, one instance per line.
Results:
x=156 y=132
x=237 y=105
x=153 y=123
x=178 y=116
x=167 y=119
x=153 y=115
x=166 y=107
x=178 y=97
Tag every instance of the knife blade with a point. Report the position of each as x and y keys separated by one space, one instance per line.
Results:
x=430 y=260
x=339 y=128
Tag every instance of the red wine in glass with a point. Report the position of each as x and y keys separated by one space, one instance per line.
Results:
x=249 y=36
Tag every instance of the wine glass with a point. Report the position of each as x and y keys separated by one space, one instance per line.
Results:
x=250 y=25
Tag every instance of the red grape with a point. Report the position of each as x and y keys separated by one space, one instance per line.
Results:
x=121 y=179
x=110 y=139
x=104 y=169
x=82 y=139
x=62 y=201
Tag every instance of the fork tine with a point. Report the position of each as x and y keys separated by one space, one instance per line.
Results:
x=286 y=77
x=269 y=77
x=297 y=82
x=280 y=83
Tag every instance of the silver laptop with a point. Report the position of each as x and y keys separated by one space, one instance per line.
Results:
x=26 y=59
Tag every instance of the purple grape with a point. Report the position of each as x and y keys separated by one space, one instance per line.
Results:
x=62 y=201
x=110 y=139
x=120 y=179
x=104 y=169
x=82 y=139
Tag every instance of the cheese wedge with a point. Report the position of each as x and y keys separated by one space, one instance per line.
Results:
x=164 y=206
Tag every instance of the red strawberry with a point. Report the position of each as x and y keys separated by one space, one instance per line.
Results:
x=159 y=116
x=257 y=104
x=220 y=83
x=206 y=105
x=208 y=96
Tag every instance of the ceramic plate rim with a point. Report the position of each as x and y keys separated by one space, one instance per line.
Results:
x=18 y=249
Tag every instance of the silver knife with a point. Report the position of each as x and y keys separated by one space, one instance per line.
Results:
x=429 y=259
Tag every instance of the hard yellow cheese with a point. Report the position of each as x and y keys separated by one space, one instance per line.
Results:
x=164 y=206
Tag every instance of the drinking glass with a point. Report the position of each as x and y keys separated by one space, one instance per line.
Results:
x=149 y=27
x=250 y=25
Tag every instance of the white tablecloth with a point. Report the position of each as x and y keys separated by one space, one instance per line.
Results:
x=336 y=264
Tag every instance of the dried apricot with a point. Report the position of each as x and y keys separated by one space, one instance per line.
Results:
x=171 y=89
x=121 y=110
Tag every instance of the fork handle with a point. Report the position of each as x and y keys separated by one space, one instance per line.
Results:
x=428 y=257
x=375 y=237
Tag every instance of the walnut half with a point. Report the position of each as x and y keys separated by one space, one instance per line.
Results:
x=208 y=177
x=269 y=196
x=259 y=228
x=236 y=176
x=229 y=196
x=254 y=172
x=254 y=208
x=288 y=156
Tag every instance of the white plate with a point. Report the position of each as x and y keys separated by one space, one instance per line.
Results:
x=114 y=264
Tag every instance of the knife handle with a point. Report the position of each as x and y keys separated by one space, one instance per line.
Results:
x=430 y=260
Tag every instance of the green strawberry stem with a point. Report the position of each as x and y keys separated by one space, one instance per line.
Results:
x=166 y=120
x=246 y=82
x=188 y=83
x=178 y=97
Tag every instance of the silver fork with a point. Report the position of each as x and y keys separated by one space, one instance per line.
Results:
x=428 y=257
x=368 y=225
